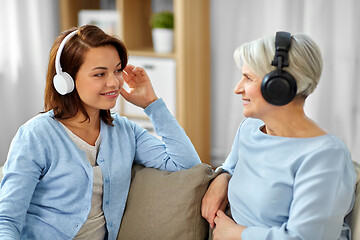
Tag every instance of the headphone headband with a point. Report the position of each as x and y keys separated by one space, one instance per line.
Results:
x=59 y=51
x=279 y=87
x=62 y=81
x=282 y=46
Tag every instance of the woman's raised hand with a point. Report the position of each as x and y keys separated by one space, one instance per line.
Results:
x=141 y=92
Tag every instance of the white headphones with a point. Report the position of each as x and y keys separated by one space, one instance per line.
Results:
x=62 y=81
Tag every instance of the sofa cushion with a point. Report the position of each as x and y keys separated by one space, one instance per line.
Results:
x=166 y=205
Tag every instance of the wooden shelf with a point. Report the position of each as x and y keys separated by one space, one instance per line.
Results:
x=68 y=10
x=150 y=53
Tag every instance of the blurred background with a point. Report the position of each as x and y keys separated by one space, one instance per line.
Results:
x=206 y=34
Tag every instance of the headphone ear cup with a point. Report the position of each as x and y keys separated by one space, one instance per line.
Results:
x=278 y=87
x=63 y=83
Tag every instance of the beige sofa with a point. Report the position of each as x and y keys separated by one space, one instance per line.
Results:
x=165 y=205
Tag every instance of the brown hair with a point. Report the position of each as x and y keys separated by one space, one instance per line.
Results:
x=72 y=57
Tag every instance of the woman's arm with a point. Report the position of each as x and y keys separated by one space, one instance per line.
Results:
x=175 y=151
x=21 y=174
x=215 y=198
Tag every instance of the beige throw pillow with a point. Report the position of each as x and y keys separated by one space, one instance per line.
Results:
x=166 y=205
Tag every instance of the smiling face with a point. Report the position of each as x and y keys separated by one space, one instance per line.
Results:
x=99 y=78
x=249 y=87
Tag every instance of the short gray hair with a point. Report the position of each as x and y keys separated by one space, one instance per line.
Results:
x=305 y=60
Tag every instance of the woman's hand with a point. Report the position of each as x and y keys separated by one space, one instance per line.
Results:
x=226 y=228
x=215 y=198
x=141 y=91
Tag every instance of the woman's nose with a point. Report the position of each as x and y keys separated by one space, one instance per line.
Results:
x=114 y=80
x=239 y=87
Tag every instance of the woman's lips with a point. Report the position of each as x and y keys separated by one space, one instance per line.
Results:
x=246 y=101
x=112 y=94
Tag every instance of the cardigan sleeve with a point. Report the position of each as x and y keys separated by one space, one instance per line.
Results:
x=174 y=151
x=21 y=174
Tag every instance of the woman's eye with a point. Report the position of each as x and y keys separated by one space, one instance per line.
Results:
x=118 y=71
x=99 y=75
x=247 y=78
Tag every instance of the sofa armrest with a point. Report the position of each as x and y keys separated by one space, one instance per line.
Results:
x=353 y=217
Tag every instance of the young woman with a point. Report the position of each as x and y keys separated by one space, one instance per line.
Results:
x=285 y=177
x=68 y=169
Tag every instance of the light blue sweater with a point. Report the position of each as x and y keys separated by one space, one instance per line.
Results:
x=289 y=188
x=47 y=186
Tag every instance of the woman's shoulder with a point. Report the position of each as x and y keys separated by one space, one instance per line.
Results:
x=327 y=142
x=327 y=152
x=334 y=140
x=41 y=121
x=40 y=130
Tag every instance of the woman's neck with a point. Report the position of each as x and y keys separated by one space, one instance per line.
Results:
x=291 y=121
x=86 y=129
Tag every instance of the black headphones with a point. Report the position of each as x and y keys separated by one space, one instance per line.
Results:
x=279 y=87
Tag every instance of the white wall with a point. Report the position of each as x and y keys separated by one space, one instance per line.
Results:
x=224 y=121
x=333 y=24
x=26 y=35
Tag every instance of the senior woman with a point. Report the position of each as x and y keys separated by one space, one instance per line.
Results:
x=285 y=177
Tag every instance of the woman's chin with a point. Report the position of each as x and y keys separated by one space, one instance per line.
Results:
x=108 y=107
x=246 y=114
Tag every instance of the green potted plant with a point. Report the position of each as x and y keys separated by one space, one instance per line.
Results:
x=162 y=24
